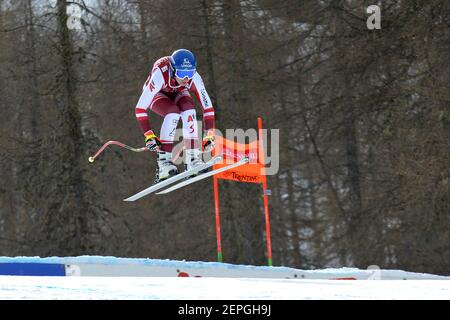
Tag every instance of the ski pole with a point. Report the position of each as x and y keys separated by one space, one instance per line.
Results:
x=122 y=145
x=117 y=143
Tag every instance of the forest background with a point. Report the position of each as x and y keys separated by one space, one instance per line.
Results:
x=363 y=117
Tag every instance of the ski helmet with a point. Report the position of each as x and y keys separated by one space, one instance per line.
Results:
x=183 y=63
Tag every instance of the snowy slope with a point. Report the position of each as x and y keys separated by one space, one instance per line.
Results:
x=99 y=266
x=18 y=287
x=94 y=277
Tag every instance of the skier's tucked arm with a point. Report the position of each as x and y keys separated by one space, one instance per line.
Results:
x=152 y=86
x=198 y=87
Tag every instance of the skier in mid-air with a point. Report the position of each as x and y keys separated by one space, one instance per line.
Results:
x=167 y=93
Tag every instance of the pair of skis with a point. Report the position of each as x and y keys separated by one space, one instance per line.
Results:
x=185 y=174
x=172 y=180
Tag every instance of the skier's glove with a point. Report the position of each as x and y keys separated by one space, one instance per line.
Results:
x=151 y=141
x=208 y=141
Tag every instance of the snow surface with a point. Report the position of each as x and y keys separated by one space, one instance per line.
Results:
x=327 y=273
x=166 y=288
x=215 y=287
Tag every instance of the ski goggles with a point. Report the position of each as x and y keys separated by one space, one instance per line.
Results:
x=184 y=73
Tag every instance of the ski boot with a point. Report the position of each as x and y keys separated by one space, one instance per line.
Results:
x=165 y=168
x=193 y=160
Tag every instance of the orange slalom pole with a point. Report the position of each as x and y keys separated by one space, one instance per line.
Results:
x=216 y=202
x=266 y=199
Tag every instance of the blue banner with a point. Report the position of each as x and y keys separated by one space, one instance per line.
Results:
x=32 y=269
